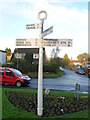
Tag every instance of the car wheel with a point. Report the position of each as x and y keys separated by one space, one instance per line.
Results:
x=18 y=84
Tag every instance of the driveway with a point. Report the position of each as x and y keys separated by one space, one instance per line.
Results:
x=64 y=83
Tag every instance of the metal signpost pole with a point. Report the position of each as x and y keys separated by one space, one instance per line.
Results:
x=40 y=72
x=40 y=76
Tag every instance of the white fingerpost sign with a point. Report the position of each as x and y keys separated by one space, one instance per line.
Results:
x=46 y=32
x=57 y=42
x=33 y=26
x=46 y=42
x=42 y=15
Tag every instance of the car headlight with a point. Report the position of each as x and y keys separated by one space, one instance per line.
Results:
x=28 y=78
x=25 y=78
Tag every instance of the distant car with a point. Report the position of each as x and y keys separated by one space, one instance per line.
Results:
x=13 y=77
x=80 y=71
x=61 y=68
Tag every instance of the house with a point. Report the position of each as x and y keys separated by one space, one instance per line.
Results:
x=2 y=57
x=75 y=62
x=21 y=52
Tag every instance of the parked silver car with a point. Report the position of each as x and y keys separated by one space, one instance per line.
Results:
x=80 y=71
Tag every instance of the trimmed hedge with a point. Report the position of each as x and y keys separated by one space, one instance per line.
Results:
x=27 y=68
x=51 y=68
x=8 y=65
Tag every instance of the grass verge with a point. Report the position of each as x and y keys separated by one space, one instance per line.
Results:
x=51 y=75
x=9 y=111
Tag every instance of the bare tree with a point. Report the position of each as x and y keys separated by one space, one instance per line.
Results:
x=55 y=52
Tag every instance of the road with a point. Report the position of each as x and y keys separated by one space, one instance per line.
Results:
x=64 y=83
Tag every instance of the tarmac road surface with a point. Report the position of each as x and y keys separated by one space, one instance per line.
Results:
x=64 y=83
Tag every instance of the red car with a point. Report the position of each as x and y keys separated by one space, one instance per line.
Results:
x=13 y=77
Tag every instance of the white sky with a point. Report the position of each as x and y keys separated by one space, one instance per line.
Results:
x=69 y=19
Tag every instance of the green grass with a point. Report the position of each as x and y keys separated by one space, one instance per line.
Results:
x=81 y=114
x=51 y=75
x=9 y=111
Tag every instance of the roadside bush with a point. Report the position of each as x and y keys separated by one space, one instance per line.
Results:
x=10 y=65
x=51 y=68
x=25 y=67
x=34 y=68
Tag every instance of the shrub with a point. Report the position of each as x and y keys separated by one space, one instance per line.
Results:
x=10 y=65
x=34 y=68
x=25 y=67
x=51 y=68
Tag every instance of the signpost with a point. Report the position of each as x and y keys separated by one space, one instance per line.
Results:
x=42 y=15
x=46 y=32
x=45 y=42
x=33 y=26
x=27 y=42
x=57 y=42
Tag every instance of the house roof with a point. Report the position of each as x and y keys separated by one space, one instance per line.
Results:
x=27 y=50
x=72 y=61
x=30 y=50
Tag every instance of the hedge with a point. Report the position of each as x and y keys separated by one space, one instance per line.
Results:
x=26 y=68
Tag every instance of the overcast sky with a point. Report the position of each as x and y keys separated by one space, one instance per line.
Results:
x=68 y=17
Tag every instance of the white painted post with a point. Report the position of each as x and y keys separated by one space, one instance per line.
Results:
x=40 y=70
x=40 y=76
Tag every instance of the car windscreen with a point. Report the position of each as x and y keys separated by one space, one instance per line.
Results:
x=17 y=72
x=82 y=70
